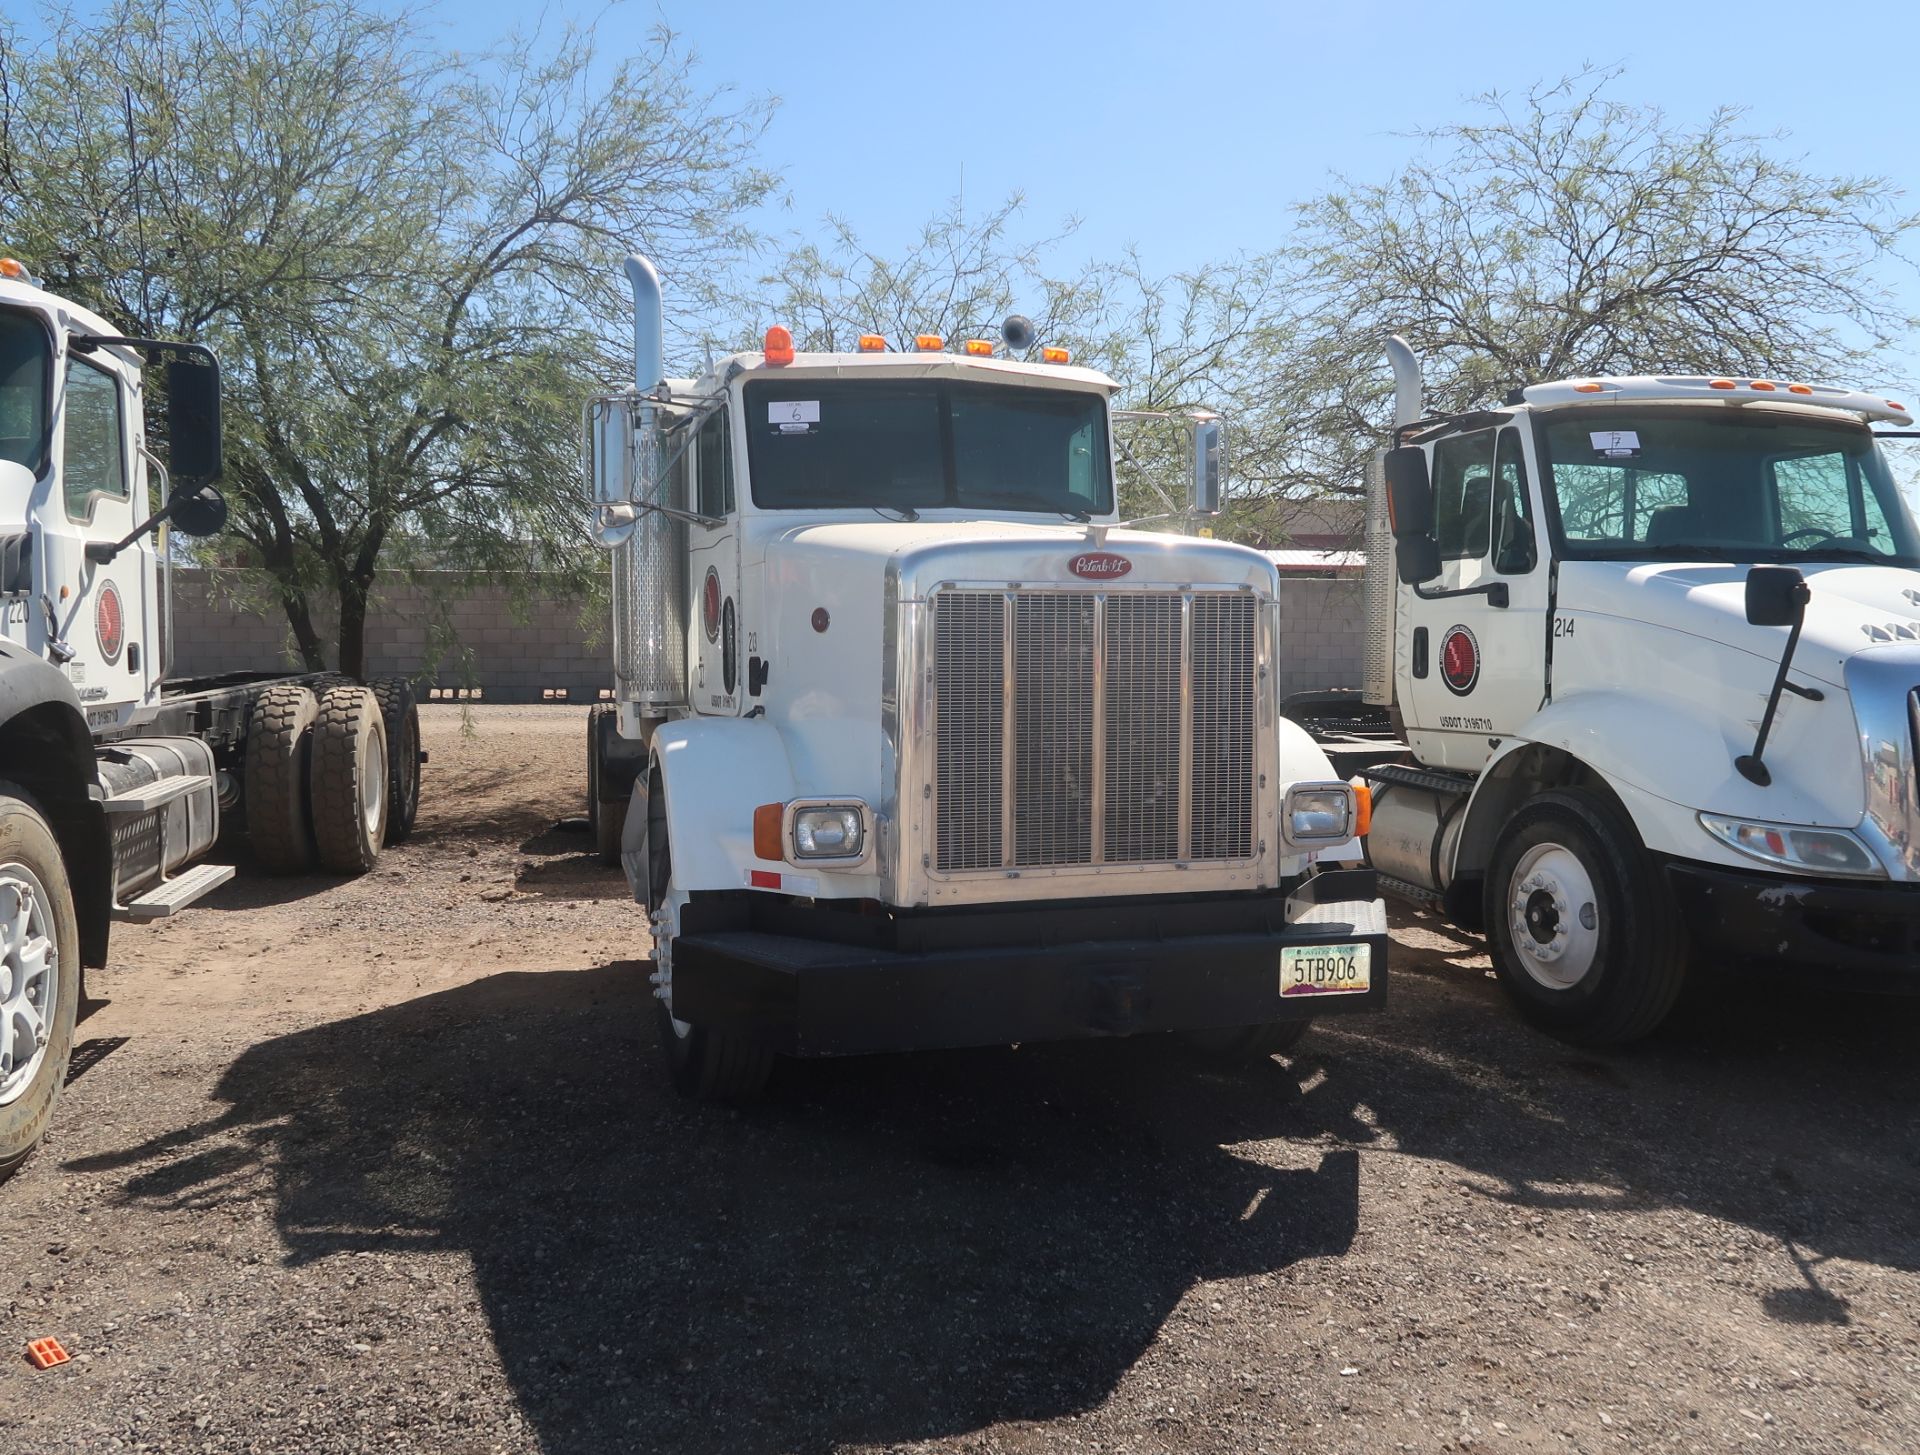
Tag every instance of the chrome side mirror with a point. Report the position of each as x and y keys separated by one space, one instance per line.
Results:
x=1208 y=487
x=607 y=460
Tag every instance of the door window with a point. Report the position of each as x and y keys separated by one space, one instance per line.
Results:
x=715 y=470
x=1463 y=495
x=94 y=463
x=1514 y=552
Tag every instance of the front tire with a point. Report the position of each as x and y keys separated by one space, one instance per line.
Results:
x=1583 y=931
x=703 y=1064
x=39 y=977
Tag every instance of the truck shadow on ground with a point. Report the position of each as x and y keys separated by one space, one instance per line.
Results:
x=902 y=1248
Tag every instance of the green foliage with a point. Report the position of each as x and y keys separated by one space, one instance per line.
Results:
x=407 y=260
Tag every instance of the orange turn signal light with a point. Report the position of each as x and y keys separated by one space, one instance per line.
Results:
x=979 y=348
x=1362 y=810
x=928 y=343
x=1056 y=356
x=779 y=345
x=766 y=832
x=872 y=343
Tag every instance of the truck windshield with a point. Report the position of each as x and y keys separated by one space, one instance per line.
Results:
x=24 y=361
x=914 y=444
x=1725 y=486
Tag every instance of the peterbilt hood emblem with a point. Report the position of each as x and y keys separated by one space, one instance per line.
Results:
x=1099 y=565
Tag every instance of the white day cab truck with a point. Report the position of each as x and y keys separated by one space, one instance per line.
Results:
x=916 y=745
x=1651 y=649
x=115 y=780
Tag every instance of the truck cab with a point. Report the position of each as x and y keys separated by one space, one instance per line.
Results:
x=916 y=743
x=115 y=774
x=1653 y=644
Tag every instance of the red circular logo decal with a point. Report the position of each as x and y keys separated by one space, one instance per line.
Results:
x=710 y=605
x=1459 y=660
x=1100 y=565
x=109 y=626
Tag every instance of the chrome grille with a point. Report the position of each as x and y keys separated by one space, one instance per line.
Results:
x=1143 y=728
x=1093 y=727
x=1053 y=728
x=968 y=634
x=1223 y=651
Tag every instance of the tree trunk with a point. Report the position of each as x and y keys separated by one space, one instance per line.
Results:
x=300 y=618
x=353 y=627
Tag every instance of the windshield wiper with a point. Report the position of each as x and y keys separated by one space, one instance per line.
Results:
x=905 y=513
x=1027 y=502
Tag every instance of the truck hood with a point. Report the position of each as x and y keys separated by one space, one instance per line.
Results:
x=1853 y=607
x=920 y=554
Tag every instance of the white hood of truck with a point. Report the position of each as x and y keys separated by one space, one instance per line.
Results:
x=1853 y=607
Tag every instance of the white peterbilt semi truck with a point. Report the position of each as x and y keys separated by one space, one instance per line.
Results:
x=116 y=775
x=915 y=744
x=1651 y=651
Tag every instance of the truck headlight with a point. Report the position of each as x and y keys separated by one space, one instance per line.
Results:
x=1318 y=814
x=1815 y=851
x=829 y=831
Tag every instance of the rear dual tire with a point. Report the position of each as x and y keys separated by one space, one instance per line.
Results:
x=319 y=785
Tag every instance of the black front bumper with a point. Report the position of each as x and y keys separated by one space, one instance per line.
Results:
x=1029 y=973
x=1866 y=932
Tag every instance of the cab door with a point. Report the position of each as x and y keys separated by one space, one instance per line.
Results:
x=1471 y=669
x=717 y=659
x=98 y=611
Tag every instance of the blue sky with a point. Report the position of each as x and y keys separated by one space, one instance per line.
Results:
x=1190 y=133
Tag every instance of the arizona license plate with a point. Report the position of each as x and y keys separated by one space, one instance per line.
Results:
x=1325 y=970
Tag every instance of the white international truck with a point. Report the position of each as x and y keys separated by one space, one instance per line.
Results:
x=1651 y=650
x=115 y=776
x=914 y=744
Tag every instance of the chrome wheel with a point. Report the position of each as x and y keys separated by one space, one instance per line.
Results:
x=1554 y=916
x=29 y=978
x=373 y=786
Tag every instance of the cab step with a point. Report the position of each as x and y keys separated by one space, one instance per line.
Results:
x=170 y=896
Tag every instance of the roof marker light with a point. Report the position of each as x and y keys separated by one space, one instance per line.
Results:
x=872 y=343
x=1799 y=389
x=1719 y=383
x=1052 y=355
x=928 y=343
x=13 y=268
x=979 y=348
x=1765 y=386
x=779 y=346
x=1892 y=404
x=1588 y=388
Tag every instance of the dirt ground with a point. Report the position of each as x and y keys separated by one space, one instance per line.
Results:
x=391 y=1165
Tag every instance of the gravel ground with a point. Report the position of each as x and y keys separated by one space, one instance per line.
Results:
x=390 y=1164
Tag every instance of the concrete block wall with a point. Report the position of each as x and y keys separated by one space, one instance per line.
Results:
x=228 y=622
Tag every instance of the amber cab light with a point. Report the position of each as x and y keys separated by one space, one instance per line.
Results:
x=979 y=348
x=1765 y=386
x=13 y=268
x=779 y=345
x=766 y=832
x=1719 y=383
x=1588 y=388
x=1056 y=356
x=928 y=343
x=872 y=343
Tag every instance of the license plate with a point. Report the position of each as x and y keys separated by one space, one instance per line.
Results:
x=1325 y=970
